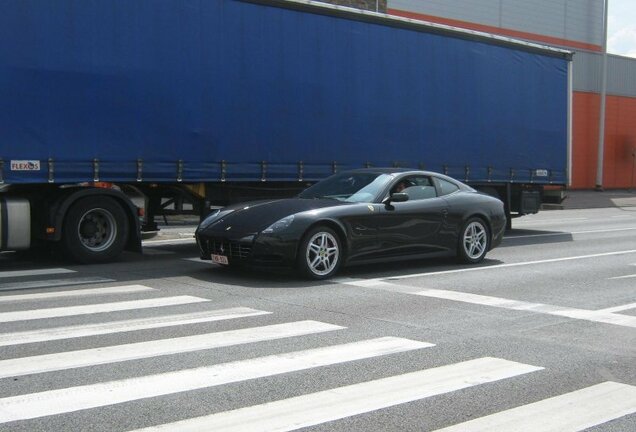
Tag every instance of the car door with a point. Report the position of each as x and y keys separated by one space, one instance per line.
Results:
x=361 y=227
x=456 y=211
x=413 y=227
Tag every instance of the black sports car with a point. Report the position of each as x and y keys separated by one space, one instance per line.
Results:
x=359 y=216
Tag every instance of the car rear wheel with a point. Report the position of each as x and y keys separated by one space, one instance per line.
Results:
x=474 y=241
x=320 y=253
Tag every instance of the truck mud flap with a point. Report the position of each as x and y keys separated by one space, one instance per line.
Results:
x=530 y=202
x=15 y=224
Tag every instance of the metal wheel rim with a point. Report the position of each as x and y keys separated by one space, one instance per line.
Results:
x=106 y=230
x=322 y=253
x=475 y=240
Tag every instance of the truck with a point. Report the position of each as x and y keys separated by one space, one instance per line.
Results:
x=195 y=104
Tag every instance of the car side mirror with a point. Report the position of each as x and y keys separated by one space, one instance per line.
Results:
x=397 y=197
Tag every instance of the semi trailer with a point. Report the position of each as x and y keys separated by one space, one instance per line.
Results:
x=198 y=103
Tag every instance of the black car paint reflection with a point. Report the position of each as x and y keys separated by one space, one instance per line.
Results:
x=358 y=217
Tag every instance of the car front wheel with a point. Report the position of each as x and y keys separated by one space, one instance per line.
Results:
x=320 y=253
x=474 y=241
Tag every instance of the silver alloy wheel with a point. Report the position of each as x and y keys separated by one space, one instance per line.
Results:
x=322 y=253
x=97 y=229
x=475 y=240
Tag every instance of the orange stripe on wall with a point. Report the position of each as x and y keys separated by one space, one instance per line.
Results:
x=585 y=109
x=620 y=143
x=497 y=30
x=619 y=159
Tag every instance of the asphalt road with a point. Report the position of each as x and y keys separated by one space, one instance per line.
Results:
x=541 y=336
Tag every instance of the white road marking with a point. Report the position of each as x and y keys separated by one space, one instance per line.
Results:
x=619 y=308
x=49 y=283
x=124 y=289
x=498 y=266
x=198 y=260
x=626 y=276
x=155 y=348
x=581 y=314
x=317 y=408
x=73 y=399
x=571 y=412
x=151 y=251
x=365 y=283
x=152 y=243
x=98 y=308
x=568 y=233
x=623 y=277
x=34 y=272
x=58 y=333
x=567 y=312
x=549 y=222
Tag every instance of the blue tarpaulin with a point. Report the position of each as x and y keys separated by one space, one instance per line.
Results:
x=208 y=81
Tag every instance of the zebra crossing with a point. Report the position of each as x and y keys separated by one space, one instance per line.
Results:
x=46 y=283
x=574 y=411
x=34 y=272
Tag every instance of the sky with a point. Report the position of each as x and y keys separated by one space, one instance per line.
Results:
x=621 y=28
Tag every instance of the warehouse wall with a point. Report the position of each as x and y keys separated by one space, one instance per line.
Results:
x=620 y=141
x=570 y=23
x=621 y=74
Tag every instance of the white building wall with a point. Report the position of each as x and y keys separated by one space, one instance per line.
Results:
x=579 y=21
x=576 y=20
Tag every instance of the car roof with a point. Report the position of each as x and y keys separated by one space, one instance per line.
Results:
x=393 y=171
x=402 y=172
x=381 y=170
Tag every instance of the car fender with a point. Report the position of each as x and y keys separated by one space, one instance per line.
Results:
x=334 y=224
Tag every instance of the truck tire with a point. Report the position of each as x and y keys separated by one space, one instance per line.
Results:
x=95 y=230
x=320 y=254
x=474 y=241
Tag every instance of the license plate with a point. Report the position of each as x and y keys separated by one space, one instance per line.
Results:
x=220 y=259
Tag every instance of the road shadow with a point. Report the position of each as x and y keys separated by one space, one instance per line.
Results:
x=586 y=199
x=12 y=261
x=257 y=279
x=289 y=279
x=526 y=237
x=158 y=262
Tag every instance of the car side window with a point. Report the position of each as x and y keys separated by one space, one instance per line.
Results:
x=418 y=188
x=446 y=187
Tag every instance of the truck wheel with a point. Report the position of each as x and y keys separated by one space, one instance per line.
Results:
x=95 y=230
x=474 y=241
x=320 y=253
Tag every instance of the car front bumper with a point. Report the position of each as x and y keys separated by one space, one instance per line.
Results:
x=250 y=249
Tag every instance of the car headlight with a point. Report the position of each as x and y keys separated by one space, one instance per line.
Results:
x=279 y=225
x=212 y=217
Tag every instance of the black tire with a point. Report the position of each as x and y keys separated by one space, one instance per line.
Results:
x=320 y=253
x=474 y=241
x=95 y=230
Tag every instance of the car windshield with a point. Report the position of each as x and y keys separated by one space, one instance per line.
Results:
x=350 y=187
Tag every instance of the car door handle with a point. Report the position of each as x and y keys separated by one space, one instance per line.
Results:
x=444 y=212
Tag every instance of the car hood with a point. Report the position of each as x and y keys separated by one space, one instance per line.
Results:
x=252 y=217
